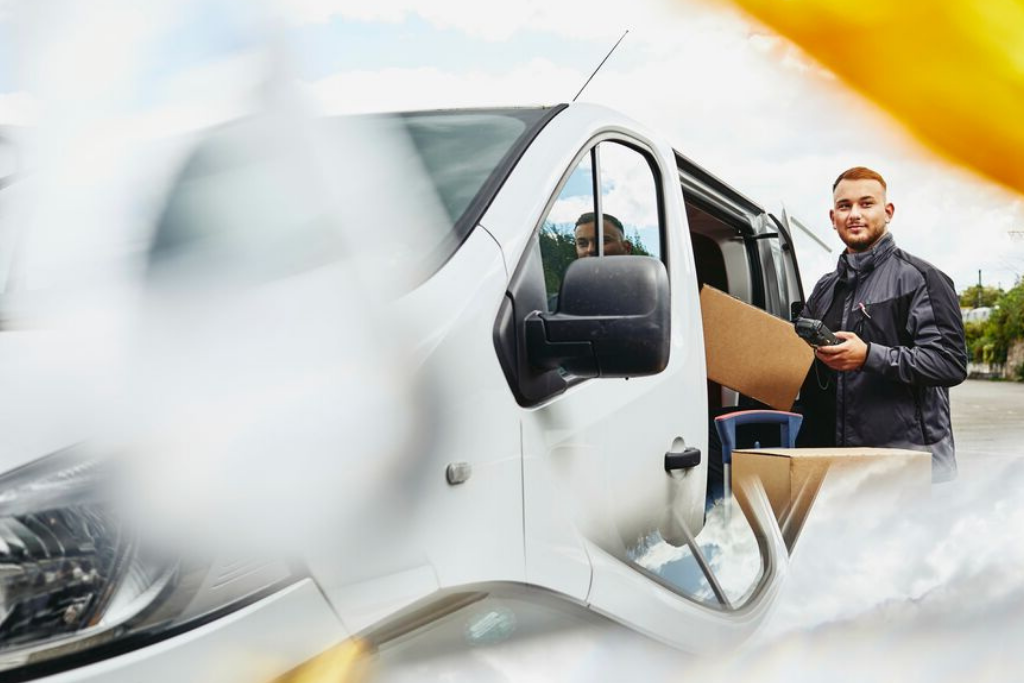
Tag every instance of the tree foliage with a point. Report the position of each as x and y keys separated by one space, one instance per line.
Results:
x=978 y=296
x=989 y=341
x=558 y=250
x=639 y=248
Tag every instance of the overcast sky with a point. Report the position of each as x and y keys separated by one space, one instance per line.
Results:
x=729 y=94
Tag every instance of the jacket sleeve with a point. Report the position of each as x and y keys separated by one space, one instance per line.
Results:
x=938 y=356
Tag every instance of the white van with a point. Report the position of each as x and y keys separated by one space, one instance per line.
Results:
x=570 y=467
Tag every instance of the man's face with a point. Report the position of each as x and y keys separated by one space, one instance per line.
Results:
x=860 y=213
x=614 y=243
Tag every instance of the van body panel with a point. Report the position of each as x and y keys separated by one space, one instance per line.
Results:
x=558 y=493
x=247 y=645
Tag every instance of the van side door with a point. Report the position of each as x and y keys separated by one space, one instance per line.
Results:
x=594 y=449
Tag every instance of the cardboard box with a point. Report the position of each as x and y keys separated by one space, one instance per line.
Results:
x=792 y=477
x=751 y=351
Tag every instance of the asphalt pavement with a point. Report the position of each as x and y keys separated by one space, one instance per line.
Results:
x=988 y=422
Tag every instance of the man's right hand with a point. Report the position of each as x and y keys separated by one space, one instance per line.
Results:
x=849 y=355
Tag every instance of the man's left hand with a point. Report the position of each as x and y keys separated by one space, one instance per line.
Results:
x=849 y=355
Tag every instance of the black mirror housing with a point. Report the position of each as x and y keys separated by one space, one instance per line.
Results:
x=613 y=320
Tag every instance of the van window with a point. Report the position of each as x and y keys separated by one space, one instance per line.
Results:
x=557 y=233
x=628 y=201
x=413 y=185
x=629 y=192
x=460 y=151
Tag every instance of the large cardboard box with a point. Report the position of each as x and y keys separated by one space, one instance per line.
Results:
x=751 y=351
x=792 y=477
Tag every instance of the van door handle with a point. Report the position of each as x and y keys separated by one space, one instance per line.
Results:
x=690 y=457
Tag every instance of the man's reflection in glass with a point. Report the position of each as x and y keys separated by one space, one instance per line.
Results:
x=615 y=242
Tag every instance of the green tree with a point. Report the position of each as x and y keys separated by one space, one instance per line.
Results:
x=987 y=296
x=557 y=251
x=639 y=248
x=1006 y=323
x=989 y=341
x=974 y=333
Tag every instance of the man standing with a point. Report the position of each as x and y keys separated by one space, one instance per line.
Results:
x=903 y=344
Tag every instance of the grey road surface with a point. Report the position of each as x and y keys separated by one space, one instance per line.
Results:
x=988 y=422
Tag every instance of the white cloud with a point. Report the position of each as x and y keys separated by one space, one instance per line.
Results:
x=495 y=21
x=958 y=547
x=535 y=82
x=6 y=11
x=566 y=210
x=632 y=197
x=959 y=222
x=744 y=103
x=321 y=11
x=926 y=591
x=18 y=109
x=491 y=21
x=75 y=58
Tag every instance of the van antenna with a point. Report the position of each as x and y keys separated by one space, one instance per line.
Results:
x=601 y=64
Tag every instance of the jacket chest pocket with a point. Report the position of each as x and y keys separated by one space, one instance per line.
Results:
x=884 y=322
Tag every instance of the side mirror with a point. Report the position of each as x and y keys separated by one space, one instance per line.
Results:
x=613 y=320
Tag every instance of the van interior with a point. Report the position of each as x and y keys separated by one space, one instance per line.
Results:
x=723 y=260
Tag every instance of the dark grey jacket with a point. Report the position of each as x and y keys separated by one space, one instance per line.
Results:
x=908 y=312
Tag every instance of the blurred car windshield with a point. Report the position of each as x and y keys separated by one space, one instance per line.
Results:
x=462 y=151
x=265 y=197
x=402 y=191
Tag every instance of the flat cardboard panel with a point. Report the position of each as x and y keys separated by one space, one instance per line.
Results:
x=751 y=351
x=774 y=474
x=792 y=477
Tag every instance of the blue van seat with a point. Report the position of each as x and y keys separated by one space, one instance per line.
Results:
x=789 y=427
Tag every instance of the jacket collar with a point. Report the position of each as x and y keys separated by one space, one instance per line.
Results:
x=865 y=262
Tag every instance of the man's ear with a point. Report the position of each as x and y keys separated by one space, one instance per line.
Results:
x=832 y=218
x=628 y=247
x=890 y=209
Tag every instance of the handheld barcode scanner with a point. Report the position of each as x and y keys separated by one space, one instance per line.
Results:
x=810 y=330
x=815 y=333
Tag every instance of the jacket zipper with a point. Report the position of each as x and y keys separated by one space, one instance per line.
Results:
x=840 y=376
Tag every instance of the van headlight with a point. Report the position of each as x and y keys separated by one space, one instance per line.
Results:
x=74 y=575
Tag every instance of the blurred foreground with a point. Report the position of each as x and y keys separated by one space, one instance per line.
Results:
x=878 y=590
x=263 y=391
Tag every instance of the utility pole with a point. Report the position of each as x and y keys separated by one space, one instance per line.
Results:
x=979 y=289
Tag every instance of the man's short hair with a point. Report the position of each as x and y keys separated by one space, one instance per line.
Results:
x=859 y=173
x=588 y=217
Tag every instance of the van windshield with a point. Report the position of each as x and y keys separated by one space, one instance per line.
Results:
x=405 y=190
x=457 y=159
x=461 y=151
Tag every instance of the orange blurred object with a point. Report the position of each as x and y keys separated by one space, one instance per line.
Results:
x=951 y=70
x=347 y=662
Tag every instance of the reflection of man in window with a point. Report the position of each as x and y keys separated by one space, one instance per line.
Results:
x=615 y=242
